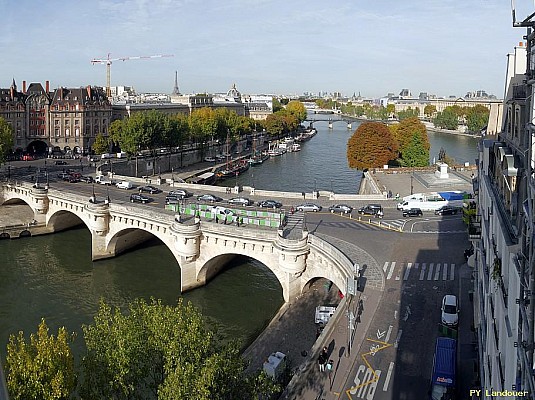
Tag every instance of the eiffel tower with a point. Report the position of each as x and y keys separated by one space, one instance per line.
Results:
x=176 y=92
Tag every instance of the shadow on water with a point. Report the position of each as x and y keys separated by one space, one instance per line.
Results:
x=53 y=277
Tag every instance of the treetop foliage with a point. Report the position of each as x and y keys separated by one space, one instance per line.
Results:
x=6 y=139
x=371 y=146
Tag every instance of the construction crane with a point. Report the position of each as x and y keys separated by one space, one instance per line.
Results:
x=108 y=61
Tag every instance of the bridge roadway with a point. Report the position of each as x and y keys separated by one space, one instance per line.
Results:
x=201 y=248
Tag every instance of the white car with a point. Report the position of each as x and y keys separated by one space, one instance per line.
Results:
x=124 y=185
x=308 y=207
x=221 y=213
x=450 y=310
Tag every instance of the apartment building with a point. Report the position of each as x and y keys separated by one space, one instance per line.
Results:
x=502 y=231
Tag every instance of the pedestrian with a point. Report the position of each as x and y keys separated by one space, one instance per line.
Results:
x=321 y=362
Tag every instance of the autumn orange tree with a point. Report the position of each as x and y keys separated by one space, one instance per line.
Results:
x=371 y=146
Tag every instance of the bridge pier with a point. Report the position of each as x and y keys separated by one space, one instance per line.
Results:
x=292 y=262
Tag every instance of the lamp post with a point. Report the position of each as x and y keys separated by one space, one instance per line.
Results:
x=412 y=186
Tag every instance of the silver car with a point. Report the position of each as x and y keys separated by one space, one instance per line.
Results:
x=242 y=201
x=308 y=207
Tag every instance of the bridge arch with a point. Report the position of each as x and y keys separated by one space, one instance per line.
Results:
x=61 y=220
x=128 y=238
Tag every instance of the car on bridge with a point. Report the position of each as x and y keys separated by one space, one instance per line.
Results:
x=86 y=179
x=308 y=207
x=140 y=198
x=211 y=198
x=181 y=193
x=371 y=209
x=341 y=208
x=269 y=204
x=124 y=185
x=149 y=189
x=241 y=201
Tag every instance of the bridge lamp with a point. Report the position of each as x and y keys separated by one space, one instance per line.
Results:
x=315 y=182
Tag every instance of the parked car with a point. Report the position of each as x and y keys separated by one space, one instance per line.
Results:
x=173 y=199
x=341 y=208
x=71 y=179
x=60 y=162
x=371 y=209
x=308 y=207
x=124 y=185
x=63 y=175
x=242 y=201
x=182 y=193
x=139 y=198
x=450 y=310
x=27 y=157
x=209 y=159
x=87 y=179
x=446 y=210
x=105 y=156
x=413 y=212
x=209 y=198
x=269 y=204
x=149 y=189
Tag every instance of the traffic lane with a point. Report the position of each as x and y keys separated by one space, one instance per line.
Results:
x=435 y=224
x=395 y=360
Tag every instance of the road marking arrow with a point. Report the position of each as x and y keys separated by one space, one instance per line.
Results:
x=380 y=334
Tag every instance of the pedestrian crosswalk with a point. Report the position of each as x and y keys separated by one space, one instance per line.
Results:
x=419 y=271
x=372 y=224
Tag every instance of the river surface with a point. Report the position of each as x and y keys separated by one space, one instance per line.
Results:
x=53 y=277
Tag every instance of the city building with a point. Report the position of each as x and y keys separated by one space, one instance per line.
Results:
x=502 y=232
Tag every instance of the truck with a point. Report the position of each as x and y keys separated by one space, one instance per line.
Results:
x=433 y=201
x=103 y=180
x=443 y=379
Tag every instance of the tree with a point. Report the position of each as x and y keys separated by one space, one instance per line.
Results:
x=447 y=119
x=274 y=124
x=42 y=369
x=276 y=104
x=477 y=118
x=390 y=109
x=101 y=144
x=411 y=136
x=160 y=352
x=6 y=139
x=371 y=146
x=429 y=110
x=297 y=109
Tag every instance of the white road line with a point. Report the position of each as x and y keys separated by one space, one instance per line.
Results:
x=385 y=266
x=388 y=374
x=397 y=338
x=398 y=276
x=407 y=271
x=452 y=270
x=437 y=272
x=445 y=272
x=387 y=338
x=430 y=273
x=391 y=271
x=422 y=272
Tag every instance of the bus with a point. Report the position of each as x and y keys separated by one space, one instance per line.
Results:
x=444 y=370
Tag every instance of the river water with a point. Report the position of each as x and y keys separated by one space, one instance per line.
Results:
x=53 y=277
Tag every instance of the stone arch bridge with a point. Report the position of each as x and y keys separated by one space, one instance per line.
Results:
x=201 y=248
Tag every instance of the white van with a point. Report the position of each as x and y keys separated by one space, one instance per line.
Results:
x=104 y=156
x=122 y=154
x=124 y=185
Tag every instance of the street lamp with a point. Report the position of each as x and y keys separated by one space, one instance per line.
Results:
x=412 y=186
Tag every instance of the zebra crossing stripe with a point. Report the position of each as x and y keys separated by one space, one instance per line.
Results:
x=422 y=272
x=385 y=267
x=437 y=272
x=452 y=269
x=392 y=266
x=445 y=272
x=430 y=273
x=407 y=271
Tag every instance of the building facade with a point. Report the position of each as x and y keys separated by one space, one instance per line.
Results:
x=502 y=231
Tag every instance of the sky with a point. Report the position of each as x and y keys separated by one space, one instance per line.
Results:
x=371 y=47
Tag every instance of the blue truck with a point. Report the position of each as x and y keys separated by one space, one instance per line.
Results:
x=444 y=370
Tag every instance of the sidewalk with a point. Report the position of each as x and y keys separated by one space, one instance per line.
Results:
x=310 y=383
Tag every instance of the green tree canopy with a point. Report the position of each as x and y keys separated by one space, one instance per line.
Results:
x=160 y=352
x=42 y=369
x=101 y=144
x=477 y=118
x=371 y=146
x=297 y=109
x=405 y=133
x=6 y=139
x=447 y=119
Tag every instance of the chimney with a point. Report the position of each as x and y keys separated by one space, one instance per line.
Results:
x=47 y=86
x=24 y=87
x=89 y=91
